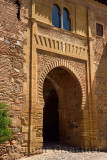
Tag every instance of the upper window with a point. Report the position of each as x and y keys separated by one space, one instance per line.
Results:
x=18 y=12
x=99 y=29
x=66 y=20
x=56 y=18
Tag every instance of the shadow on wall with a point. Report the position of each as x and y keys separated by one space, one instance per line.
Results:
x=100 y=86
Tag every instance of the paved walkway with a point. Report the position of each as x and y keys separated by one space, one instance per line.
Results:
x=66 y=153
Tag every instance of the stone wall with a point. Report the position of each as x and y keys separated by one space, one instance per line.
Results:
x=100 y=83
x=24 y=67
x=12 y=75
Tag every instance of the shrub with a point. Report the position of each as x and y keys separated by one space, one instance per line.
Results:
x=5 y=132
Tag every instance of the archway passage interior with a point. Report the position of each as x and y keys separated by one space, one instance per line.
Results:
x=51 y=114
x=62 y=111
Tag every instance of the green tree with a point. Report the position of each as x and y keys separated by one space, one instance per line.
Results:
x=5 y=132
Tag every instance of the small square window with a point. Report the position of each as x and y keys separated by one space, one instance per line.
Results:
x=99 y=29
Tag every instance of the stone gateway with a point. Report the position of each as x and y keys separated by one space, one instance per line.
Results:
x=53 y=68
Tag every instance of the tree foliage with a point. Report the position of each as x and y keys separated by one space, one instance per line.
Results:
x=5 y=132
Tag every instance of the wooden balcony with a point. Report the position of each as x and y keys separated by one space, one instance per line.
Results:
x=60 y=47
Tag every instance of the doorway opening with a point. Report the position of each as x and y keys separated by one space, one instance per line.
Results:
x=50 y=114
x=62 y=114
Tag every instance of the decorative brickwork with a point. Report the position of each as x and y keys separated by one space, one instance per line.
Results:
x=47 y=62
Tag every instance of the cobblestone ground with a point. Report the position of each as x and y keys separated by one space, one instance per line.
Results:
x=65 y=153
